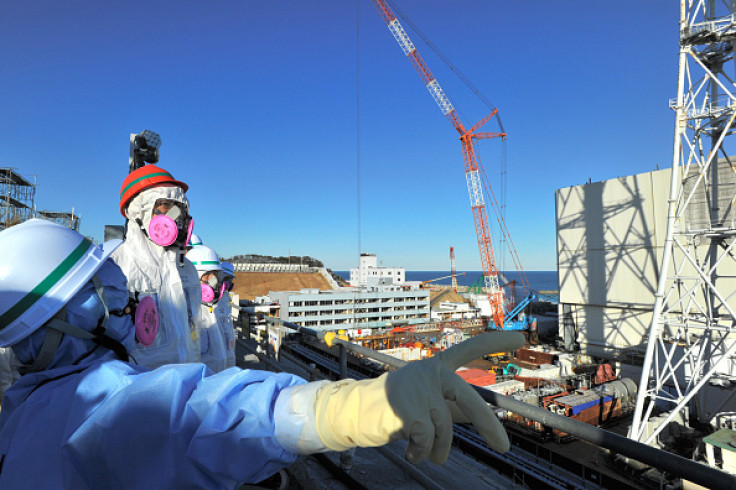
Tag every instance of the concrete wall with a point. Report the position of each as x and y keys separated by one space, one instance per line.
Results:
x=609 y=243
x=610 y=239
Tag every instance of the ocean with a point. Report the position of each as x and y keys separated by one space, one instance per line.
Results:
x=538 y=280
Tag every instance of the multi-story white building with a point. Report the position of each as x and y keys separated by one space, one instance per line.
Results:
x=369 y=274
x=372 y=307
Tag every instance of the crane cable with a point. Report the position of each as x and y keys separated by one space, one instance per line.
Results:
x=357 y=113
x=499 y=212
x=502 y=225
x=447 y=62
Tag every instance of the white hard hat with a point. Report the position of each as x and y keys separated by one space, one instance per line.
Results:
x=194 y=240
x=42 y=266
x=204 y=259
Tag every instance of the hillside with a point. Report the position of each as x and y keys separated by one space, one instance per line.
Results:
x=248 y=285
x=305 y=260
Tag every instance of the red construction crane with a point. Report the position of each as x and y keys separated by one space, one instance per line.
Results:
x=467 y=139
x=452 y=269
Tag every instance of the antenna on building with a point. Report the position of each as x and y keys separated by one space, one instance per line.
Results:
x=453 y=272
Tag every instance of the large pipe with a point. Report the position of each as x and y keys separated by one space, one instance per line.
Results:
x=671 y=463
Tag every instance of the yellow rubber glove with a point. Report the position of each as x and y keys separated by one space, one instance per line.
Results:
x=412 y=403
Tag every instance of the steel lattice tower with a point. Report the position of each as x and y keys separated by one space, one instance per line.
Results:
x=691 y=336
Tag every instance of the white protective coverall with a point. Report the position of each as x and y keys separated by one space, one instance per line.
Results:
x=166 y=275
x=223 y=312
x=211 y=339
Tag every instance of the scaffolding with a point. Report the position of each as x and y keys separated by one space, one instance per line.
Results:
x=17 y=196
x=17 y=203
x=69 y=220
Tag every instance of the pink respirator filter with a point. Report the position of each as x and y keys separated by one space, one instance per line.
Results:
x=208 y=294
x=163 y=230
x=146 y=321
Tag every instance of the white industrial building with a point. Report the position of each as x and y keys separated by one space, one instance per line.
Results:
x=369 y=273
x=609 y=246
x=372 y=307
x=610 y=238
x=610 y=242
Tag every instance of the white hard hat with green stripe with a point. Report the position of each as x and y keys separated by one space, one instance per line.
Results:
x=204 y=259
x=194 y=240
x=42 y=266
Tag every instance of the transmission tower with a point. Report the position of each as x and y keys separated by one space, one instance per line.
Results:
x=690 y=341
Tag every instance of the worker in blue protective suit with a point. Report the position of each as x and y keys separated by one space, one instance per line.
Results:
x=82 y=417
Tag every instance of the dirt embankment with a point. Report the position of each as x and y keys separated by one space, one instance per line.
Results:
x=248 y=285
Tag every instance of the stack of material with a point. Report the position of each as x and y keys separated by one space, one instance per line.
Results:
x=507 y=387
x=405 y=353
x=544 y=371
x=536 y=357
x=477 y=377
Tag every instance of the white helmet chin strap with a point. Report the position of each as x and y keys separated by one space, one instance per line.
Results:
x=58 y=326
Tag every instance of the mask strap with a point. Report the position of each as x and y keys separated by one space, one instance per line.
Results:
x=101 y=293
x=97 y=336
x=58 y=326
x=110 y=343
x=67 y=328
x=48 y=349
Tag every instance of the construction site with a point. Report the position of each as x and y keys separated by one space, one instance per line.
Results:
x=18 y=202
x=627 y=380
x=645 y=344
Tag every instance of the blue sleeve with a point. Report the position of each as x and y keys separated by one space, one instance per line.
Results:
x=180 y=426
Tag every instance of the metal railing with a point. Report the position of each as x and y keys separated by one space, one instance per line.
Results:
x=668 y=462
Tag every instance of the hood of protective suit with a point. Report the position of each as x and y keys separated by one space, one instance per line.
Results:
x=140 y=210
x=149 y=255
x=141 y=206
x=85 y=310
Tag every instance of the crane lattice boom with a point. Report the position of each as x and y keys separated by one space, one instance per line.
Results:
x=467 y=138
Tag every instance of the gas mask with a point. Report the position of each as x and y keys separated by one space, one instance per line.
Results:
x=227 y=285
x=211 y=286
x=170 y=223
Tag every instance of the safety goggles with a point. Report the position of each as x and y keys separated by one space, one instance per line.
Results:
x=213 y=280
x=168 y=207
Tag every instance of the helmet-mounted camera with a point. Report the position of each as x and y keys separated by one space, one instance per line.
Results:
x=144 y=148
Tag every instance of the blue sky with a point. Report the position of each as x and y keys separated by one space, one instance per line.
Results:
x=256 y=104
